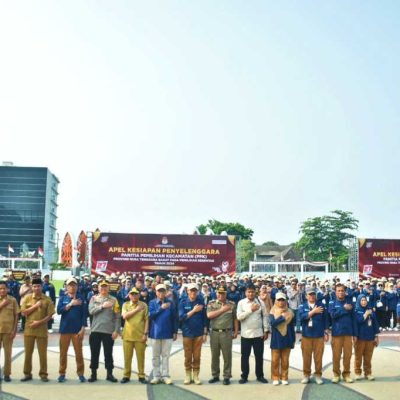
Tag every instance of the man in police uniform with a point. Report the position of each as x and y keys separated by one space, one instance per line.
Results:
x=135 y=333
x=38 y=309
x=8 y=326
x=223 y=328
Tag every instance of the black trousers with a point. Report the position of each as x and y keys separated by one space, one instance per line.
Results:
x=258 y=347
x=95 y=341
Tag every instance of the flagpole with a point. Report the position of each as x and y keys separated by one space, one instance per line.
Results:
x=9 y=257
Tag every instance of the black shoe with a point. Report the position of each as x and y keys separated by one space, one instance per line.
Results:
x=44 y=379
x=143 y=380
x=125 y=380
x=226 y=381
x=242 y=381
x=111 y=378
x=214 y=379
x=262 y=380
x=26 y=378
x=93 y=378
x=7 y=378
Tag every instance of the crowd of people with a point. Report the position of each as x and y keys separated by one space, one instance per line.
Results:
x=145 y=310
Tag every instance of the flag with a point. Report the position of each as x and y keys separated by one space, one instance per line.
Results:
x=40 y=252
x=10 y=249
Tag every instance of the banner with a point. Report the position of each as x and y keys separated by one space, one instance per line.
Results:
x=67 y=250
x=112 y=252
x=379 y=257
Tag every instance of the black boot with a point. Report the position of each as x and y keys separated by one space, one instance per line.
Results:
x=111 y=377
x=93 y=377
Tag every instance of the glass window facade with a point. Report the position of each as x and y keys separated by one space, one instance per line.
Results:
x=28 y=209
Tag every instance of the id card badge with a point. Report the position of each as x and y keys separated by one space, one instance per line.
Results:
x=379 y=304
x=369 y=322
x=354 y=299
x=47 y=293
x=367 y=298
x=323 y=301
x=310 y=323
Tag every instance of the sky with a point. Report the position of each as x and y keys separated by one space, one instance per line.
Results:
x=157 y=116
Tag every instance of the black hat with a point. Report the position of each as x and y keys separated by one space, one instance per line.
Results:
x=37 y=281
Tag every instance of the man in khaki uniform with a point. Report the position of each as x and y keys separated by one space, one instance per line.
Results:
x=8 y=326
x=135 y=333
x=38 y=309
x=223 y=328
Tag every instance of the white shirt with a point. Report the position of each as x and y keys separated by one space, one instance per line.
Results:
x=253 y=324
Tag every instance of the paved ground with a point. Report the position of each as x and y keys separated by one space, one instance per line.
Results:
x=386 y=368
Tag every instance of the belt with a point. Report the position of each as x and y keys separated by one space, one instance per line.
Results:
x=221 y=330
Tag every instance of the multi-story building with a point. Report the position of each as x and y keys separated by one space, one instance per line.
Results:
x=28 y=211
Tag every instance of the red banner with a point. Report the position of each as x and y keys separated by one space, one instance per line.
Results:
x=379 y=258
x=210 y=255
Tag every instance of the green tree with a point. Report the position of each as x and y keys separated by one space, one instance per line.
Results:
x=327 y=237
x=231 y=228
x=270 y=243
x=245 y=249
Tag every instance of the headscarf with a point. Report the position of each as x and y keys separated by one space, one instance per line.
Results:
x=277 y=312
x=359 y=307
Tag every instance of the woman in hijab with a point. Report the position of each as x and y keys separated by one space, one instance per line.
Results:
x=367 y=330
x=282 y=339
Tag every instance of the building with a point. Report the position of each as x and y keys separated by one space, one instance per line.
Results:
x=276 y=252
x=28 y=211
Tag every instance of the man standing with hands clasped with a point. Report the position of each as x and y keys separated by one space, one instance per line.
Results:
x=72 y=308
x=254 y=331
x=223 y=328
x=314 y=324
x=343 y=334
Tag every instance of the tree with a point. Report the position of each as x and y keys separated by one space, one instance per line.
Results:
x=270 y=243
x=231 y=228
x=246 y=251
x=327 y=237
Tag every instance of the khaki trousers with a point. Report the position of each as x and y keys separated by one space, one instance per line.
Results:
x=280 y=364
x=341 y=344
x=140 y=349
x=312 y=347
x=192 y=351
x=221 y=342
x=65 y=340
x=29 y=344
x=6 y=341
x=364 y=349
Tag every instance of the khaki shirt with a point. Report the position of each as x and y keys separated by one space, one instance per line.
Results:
x=8 y=315
x=224 y=321
x=134 y=326
x=45 y=310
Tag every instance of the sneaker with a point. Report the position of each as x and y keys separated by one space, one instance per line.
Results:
x=285 y=382
x=82 y=379
x=318 y=380
x=155 y=381
x=305 y=380
x=335 y=379
x=370 y=377
x=358 y=377
x=168 y=381
x=61 y=378
x=347 y=379
x=275 y=383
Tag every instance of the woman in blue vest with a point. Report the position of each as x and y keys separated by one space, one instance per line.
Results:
x=367 y=330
